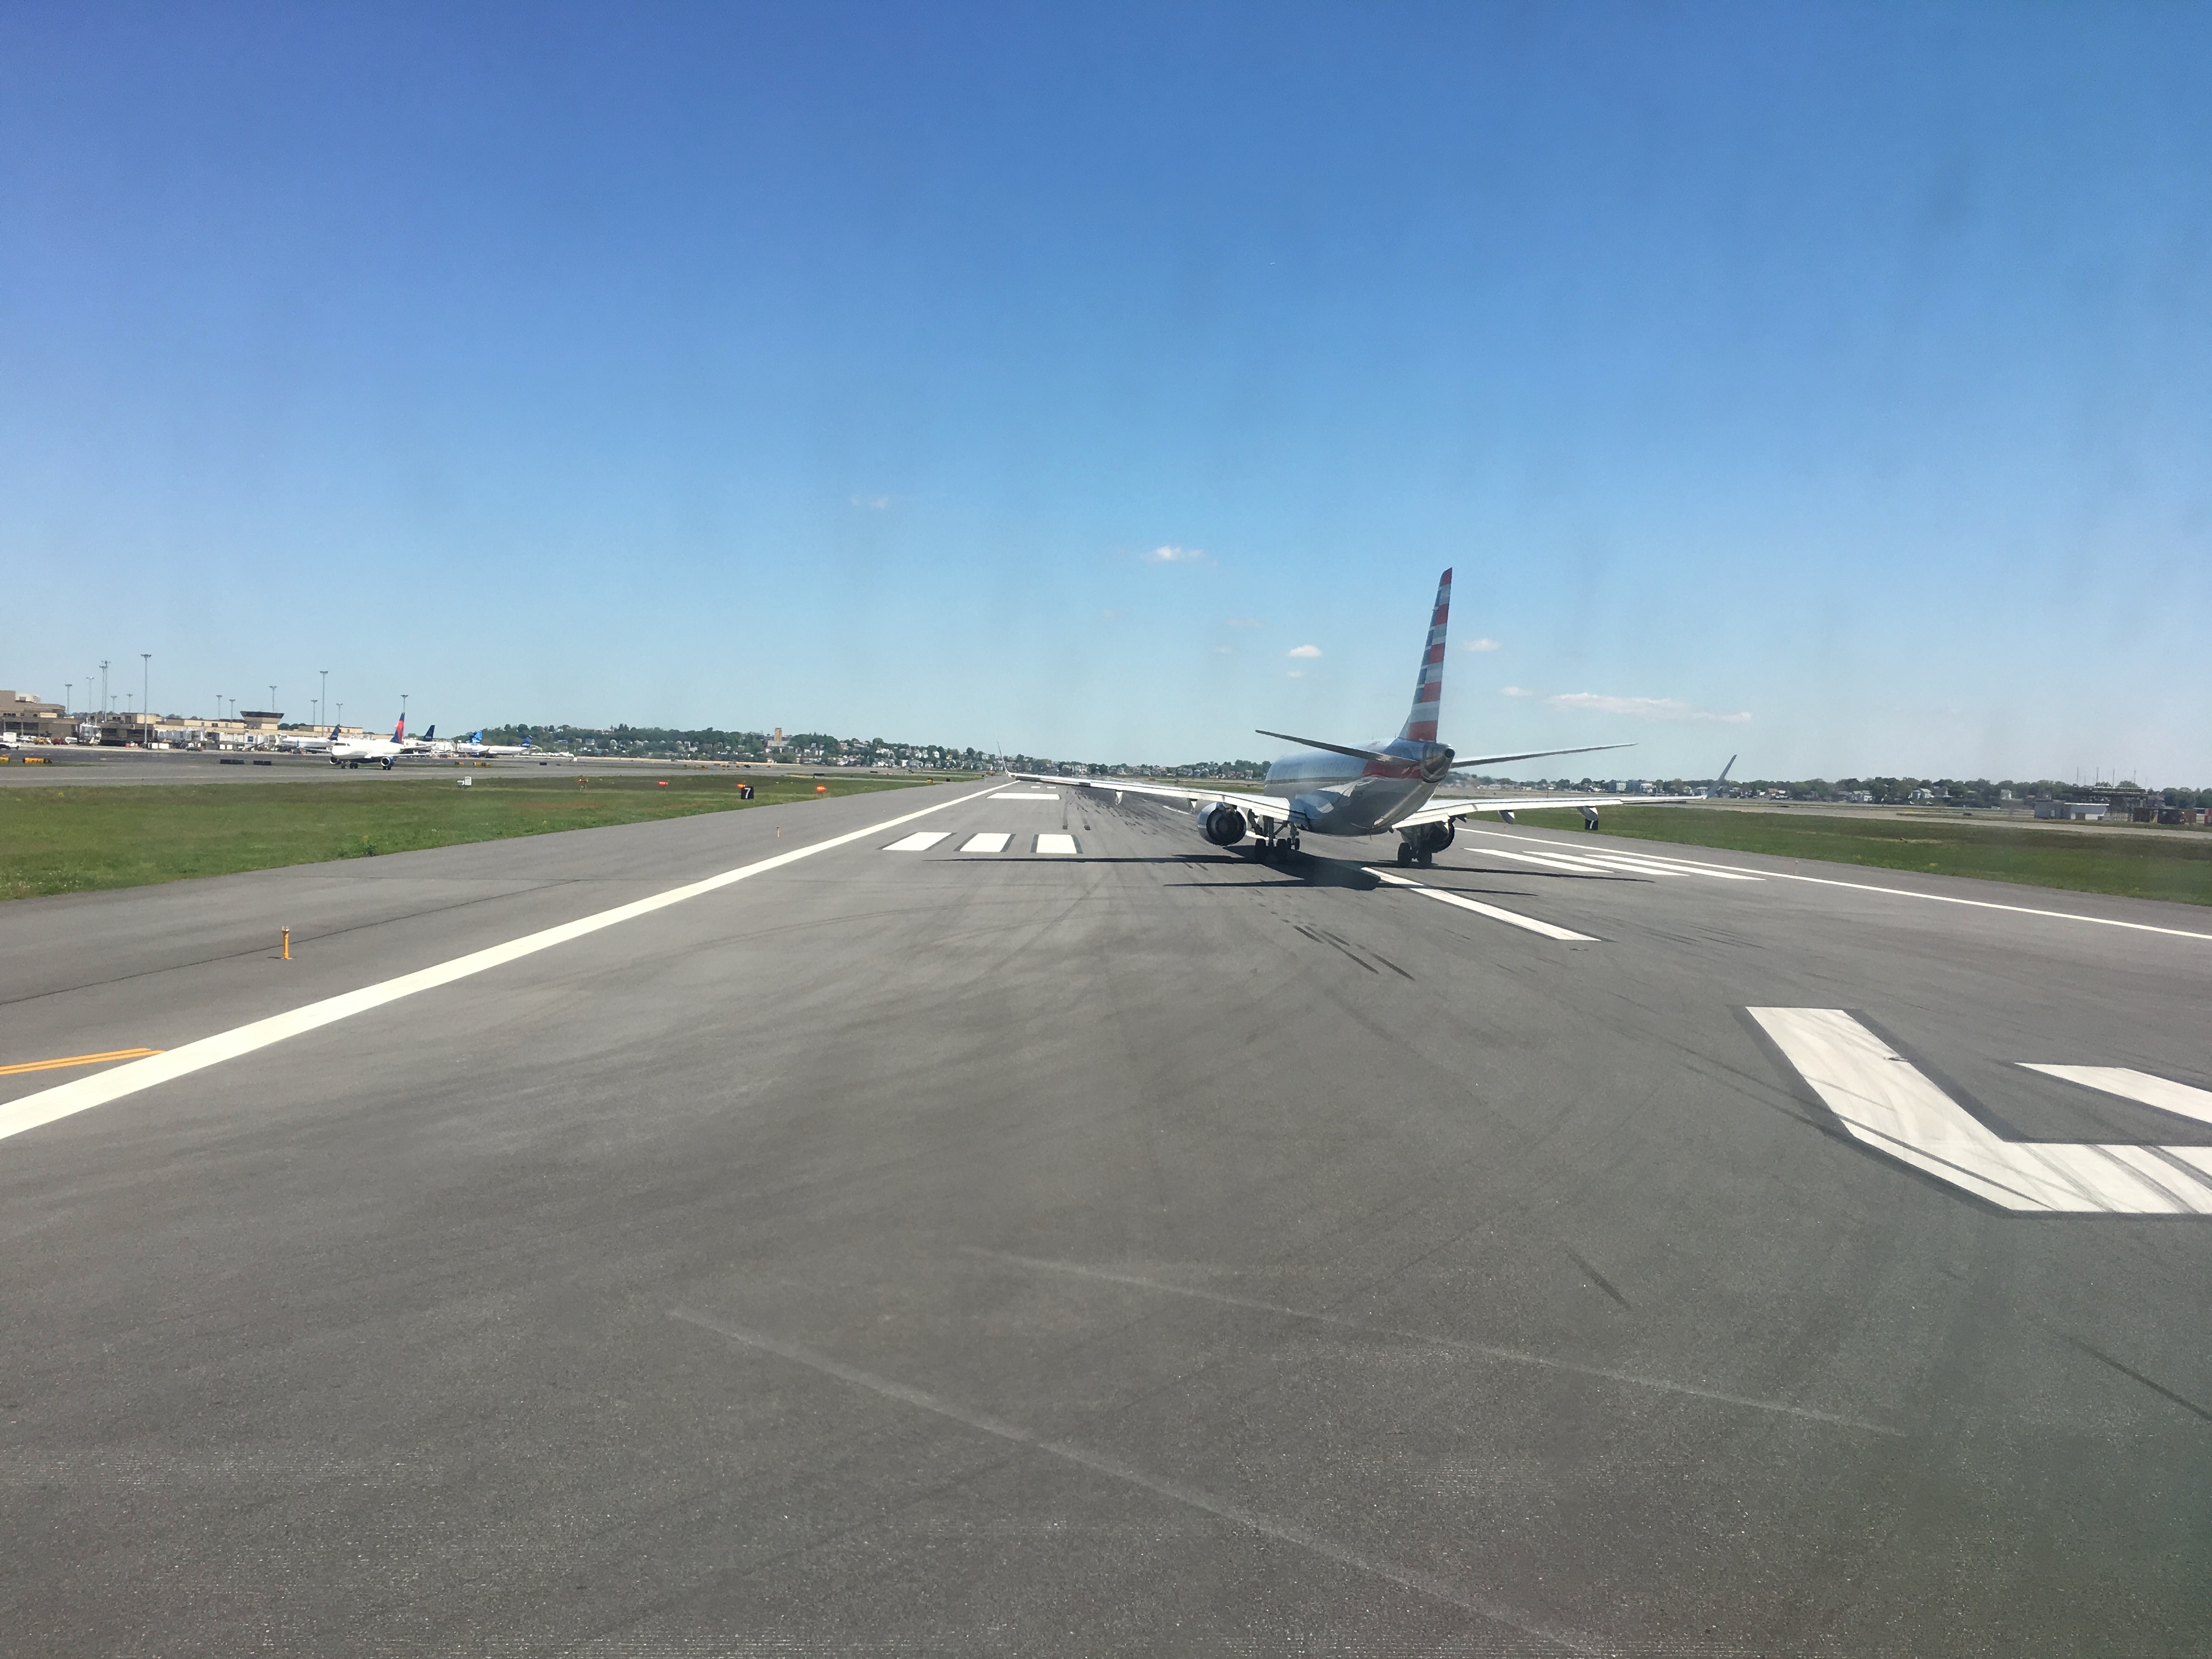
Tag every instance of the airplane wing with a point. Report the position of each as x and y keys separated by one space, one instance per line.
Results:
x=1442 y=812
x=1264 y=809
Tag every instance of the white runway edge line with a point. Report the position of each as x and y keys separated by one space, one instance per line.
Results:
x=69 y=1098
x=1901 y=892
x=1512 y=917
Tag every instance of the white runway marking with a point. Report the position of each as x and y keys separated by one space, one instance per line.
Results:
x=989 y=841
x=1905 y=892
x=69 y=1098
x=919 y=841
x=1652 y=861
x=1577 y=865
x=2168 y=1096
x=1016 y=794
x=1513 y=918
x=1632 y=867
x=1063 y=845
x=1286 y=1531
x=1885 y=1101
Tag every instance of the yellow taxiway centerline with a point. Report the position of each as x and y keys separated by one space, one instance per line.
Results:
x=77 y=1059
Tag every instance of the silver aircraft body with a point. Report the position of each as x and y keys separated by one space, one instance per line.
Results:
x=377 y=752
x=1366 y=789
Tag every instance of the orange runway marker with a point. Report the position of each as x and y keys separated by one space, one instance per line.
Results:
x=77 y=1059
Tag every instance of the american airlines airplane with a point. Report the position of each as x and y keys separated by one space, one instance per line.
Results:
x=1366 y=789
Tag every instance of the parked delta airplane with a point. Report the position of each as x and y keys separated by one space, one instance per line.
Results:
x=1369 y=789
x=352 y=751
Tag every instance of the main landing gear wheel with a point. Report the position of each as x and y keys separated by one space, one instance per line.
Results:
x=1405 y=852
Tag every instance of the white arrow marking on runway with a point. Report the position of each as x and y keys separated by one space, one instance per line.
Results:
x=47 y=1104
x=1886 y=1101
x=1512 y=917
x=2168 y=1096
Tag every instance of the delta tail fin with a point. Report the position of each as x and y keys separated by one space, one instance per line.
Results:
x=1428 y=689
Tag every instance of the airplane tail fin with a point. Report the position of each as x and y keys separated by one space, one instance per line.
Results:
x=1428 y=689
x=1725 y=770
x=399 y=730
x=432 y=733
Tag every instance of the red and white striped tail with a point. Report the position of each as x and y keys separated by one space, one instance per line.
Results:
x=1429 y=690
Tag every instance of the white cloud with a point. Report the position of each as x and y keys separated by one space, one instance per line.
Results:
x=1225 y=650
x=1109 y=616
x=1294 y=674
x=1479 y=645
x=874 y=503
x=1646 y=708
x=1515 y=691
x=1175 y=554
x=1246 y=622
x=1303 y=651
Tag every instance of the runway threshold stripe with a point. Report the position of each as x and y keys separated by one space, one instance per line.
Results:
x=2168 y=1096
x=1579 y=866
x=1906 y=892
x=991 y=841
x=76 y=1059
x=1286 y=1531
x=1062 y=845
x=70 y=1098
x=921 y=841
x=1512 y=918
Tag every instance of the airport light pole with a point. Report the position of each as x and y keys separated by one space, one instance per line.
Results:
x=322 y=703
x=103 y=686
x=146 y=688
x=68 y=686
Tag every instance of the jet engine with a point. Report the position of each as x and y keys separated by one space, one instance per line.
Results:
x=1429 y=838
x=1222 y=824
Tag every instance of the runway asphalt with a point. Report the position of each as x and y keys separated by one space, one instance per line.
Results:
x=1139 y=1249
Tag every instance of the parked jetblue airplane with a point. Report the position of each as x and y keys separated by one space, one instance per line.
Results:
x=1371 y=789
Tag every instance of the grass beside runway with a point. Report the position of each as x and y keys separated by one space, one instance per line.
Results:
x=2146 y=867
x=76 y=841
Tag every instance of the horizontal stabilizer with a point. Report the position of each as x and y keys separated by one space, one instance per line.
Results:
x=1333 y=748
x=1533 y=754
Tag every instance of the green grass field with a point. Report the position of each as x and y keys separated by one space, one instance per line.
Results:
x=2102 y=861
x=75 y=841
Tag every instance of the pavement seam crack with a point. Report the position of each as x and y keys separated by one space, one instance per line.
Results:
x=1515 y=1356
x=1267 y=1526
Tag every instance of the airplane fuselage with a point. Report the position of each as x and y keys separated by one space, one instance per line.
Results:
x=1340 y=795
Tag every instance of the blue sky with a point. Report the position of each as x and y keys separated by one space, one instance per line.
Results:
x=1829 y=385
